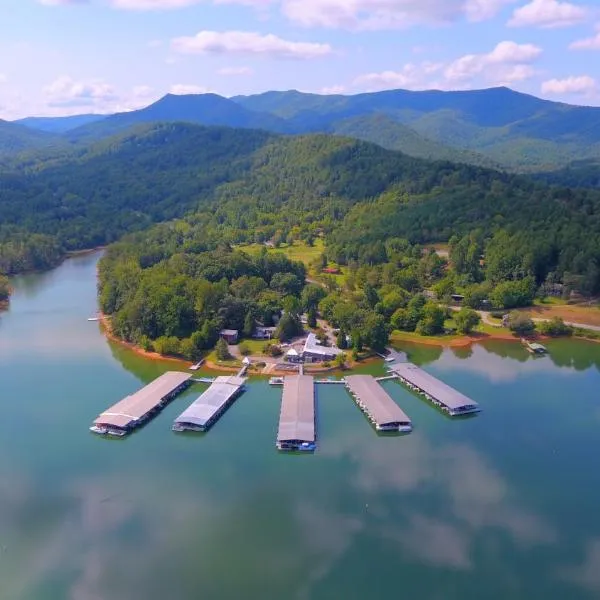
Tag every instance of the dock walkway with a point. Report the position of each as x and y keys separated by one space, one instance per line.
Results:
x=207 y=408
x=297 y=417
x=434 y=390
x=140 y=406
x=377 y=405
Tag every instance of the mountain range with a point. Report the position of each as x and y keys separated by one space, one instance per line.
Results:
x=495 y=127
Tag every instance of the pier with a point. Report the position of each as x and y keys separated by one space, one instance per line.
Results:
x=434 y=390
x=207 y=408
x=297 y=417
x=137 y=408
x=377 y=405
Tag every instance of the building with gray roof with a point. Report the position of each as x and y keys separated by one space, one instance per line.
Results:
x=436 y=391
x=297 y=417
x=208 y=407
x=136 y=408
x=377 y=404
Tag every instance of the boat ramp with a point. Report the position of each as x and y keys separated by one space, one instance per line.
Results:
x=297 y=417
x=136 y=409
x=377 y=404
x=434 y=390
x=207 y=408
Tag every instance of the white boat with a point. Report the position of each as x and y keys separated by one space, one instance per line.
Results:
x=93 y=318
x=99 y=430
x=276 y=381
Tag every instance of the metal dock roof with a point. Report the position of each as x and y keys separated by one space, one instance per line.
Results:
x=377 y=402
x=206 y=407
x=452 y=399
x=297 y=416
x=136 y=406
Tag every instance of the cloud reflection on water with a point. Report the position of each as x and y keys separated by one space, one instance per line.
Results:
x=472 y=498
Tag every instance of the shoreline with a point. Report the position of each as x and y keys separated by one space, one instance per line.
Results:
x=456 y=342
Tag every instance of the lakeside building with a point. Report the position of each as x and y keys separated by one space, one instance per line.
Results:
x=314 y=351
x=297 y=417
x=139 y=407
x=208 y=407
x=264 y=333
x=377 y=404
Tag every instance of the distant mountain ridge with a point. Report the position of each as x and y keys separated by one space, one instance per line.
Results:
x=491 y=127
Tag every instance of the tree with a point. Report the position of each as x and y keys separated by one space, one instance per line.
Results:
x=245 y=349
x=555 y=327
x=312 y=294
x=340 y=360
x=375 y=332
x=312 y=317
x=370 y=295
x=341 y=340
x=222 y=350
x=520 y=324
x=249 y=323
x=432 y=319
x=513 y=294
x=466 y=320
x=288 y=327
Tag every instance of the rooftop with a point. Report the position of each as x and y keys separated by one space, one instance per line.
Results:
x=206 y=406
x=437 y=389
x=297 y=416
x=313 y=346
x=134 y=407
x=379 y=404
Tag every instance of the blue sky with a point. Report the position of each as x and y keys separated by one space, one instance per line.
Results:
x=72 y=56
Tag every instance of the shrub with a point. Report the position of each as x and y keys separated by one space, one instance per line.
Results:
x=222 y=350
x=245 y=349
x=521 y=324
x=556 y=327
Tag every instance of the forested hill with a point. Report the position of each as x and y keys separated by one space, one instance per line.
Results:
x=241 y=185
x=491 y=127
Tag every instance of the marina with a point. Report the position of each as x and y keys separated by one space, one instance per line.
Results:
x=439 y=393
x=207 y=408
x=139 y=407
x=297 y=417
x=377 y=405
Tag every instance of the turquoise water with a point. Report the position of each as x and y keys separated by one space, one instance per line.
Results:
x=502 y=505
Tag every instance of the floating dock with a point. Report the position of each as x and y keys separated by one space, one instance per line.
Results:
x=377 y=405
x=434 y=390
x=139 y=407
x=297 y=417
x=207 y=408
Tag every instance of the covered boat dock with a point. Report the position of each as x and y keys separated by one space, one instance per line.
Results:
x=434 y=390
x=377 y=405
x=208 y=407
x=137 y=408
x=297 y=417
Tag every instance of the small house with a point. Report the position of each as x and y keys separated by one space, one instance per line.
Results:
x=264 y=333
x=231 y=336
x=315 y=352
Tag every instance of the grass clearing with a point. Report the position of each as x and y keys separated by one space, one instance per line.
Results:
x=299 y=251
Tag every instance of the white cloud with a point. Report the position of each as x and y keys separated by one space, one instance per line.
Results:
x=247 y=42
x=548 y=14
x=235 y=71
x=3 y=78
x=62 y=2
x=65 y=91
x=592 y=43
x=411 y=77
x=508 y=61
x=182 y=89
x=152 y=4
x=333 y=90
x=387 y=14
x=583 y=84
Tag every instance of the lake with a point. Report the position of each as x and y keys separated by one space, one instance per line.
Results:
x=501 y=505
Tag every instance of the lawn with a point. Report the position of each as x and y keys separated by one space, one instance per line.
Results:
x=256 y=346
x=299 y=251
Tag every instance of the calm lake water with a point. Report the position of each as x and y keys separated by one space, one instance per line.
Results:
x=502 y=505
